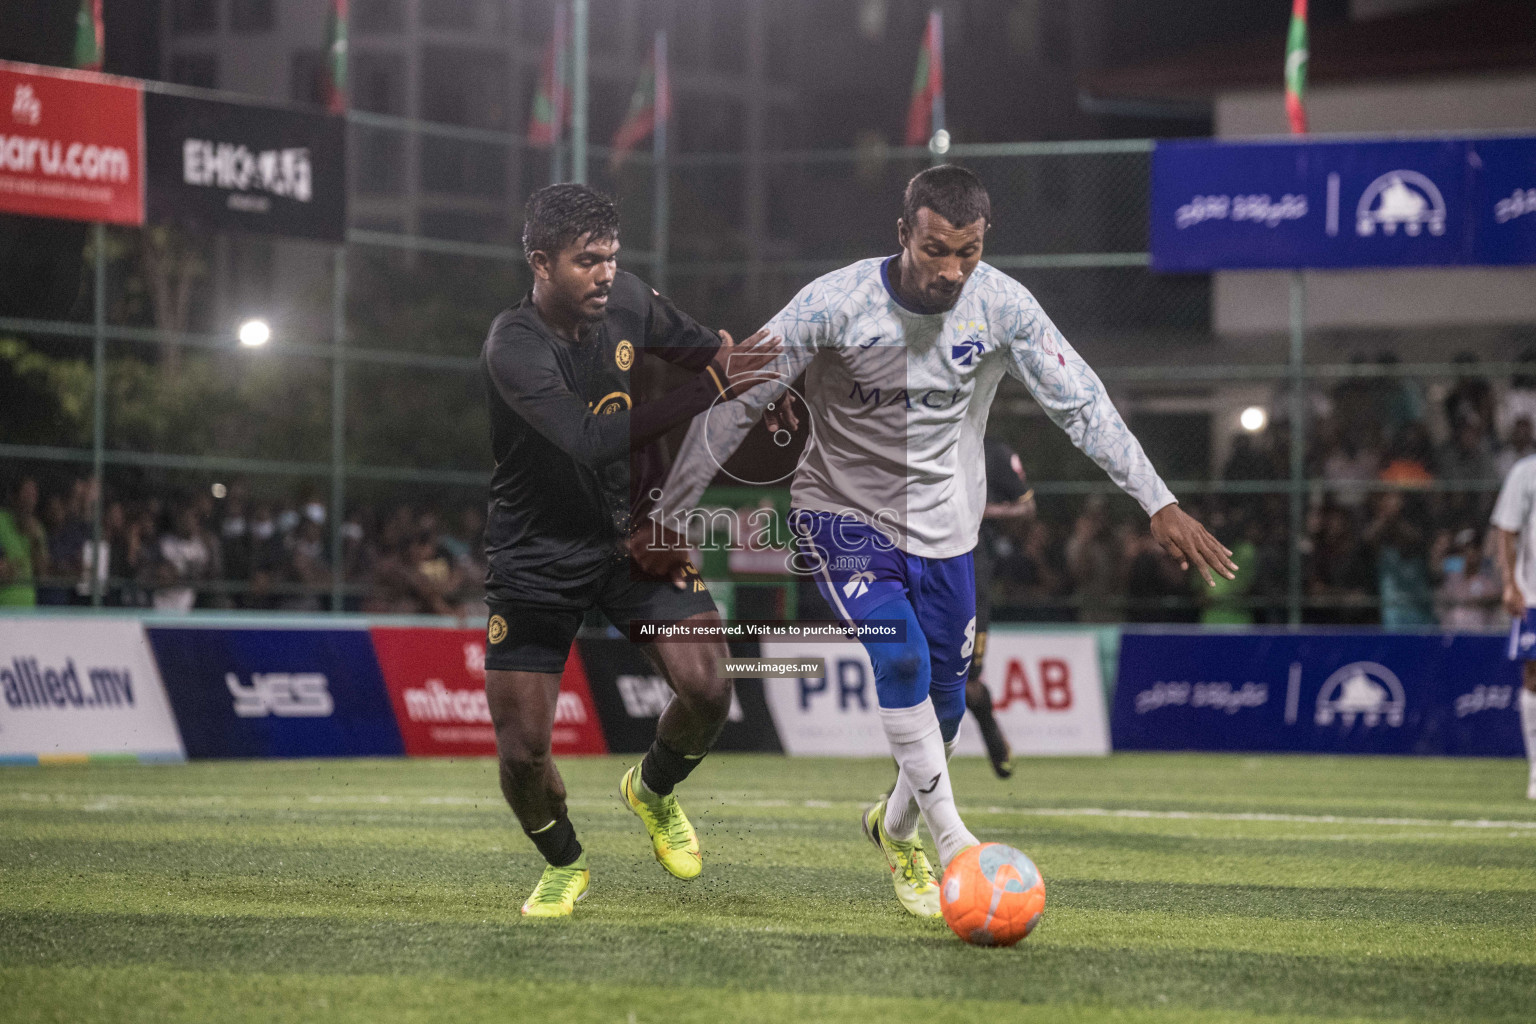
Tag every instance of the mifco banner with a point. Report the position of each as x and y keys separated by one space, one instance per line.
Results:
x=1389 y=203
x=1323 y=692
x=213 y=165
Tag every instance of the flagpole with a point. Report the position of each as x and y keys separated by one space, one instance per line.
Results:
x=1295 y=89
x=662 y=102
x=936 y=150
x=579 y=15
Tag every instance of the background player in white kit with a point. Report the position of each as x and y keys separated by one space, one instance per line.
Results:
x=1514 y=516
x=902 y=356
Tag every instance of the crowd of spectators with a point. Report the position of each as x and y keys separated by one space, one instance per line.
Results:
x=1397 y=528
x=236 y=552
x=1403 y=482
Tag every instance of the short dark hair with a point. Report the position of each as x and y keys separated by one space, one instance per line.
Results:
x=557 y=215
x=952 y=192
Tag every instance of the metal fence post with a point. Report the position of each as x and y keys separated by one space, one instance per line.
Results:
x=1298 y=443
x=579 y=13
x=338 y=422
x=659 y=197
x=98 y=409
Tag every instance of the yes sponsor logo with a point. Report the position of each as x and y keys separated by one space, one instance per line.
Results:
x=281 y=695
x=27 y=683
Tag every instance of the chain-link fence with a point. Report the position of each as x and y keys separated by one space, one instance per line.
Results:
x=344 y=465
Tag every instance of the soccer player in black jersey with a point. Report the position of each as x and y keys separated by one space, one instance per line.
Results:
x=1007 y=498
x=564 y=424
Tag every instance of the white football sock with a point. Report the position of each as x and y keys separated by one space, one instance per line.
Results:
x=901 y=811
x=1528 y=725
x=913 y=734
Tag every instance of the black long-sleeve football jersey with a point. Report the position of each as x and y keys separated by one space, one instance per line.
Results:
x=563 y=425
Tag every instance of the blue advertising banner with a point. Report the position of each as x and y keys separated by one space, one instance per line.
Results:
x=1322 y=692
x=1506 y=202
x=276 y=692
x=1388 y=203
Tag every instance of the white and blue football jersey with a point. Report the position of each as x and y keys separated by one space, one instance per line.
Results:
x=898 y=404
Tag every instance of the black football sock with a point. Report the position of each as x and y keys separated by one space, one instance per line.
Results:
x=663 y=767
x=991 y=734
x=557 y=842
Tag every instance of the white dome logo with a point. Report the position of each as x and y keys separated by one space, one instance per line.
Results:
x=1405 y=199
x=1365 y=690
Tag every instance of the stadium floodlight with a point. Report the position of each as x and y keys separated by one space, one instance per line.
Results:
x=255 y=333
x=939 y=144
x=1253 y=419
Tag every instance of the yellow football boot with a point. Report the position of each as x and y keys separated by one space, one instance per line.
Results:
x=911 y=875
x=559 y=890
x=672 y=837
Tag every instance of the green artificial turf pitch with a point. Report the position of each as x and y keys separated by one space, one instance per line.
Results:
x=1180 y=888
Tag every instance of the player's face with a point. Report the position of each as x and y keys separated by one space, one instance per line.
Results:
x=939 y=257
x=581 y=276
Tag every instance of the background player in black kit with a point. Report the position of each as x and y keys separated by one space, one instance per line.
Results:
x=563 y=426
x=1007 y=498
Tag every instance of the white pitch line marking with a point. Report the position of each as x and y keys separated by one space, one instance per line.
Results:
x=106 y=801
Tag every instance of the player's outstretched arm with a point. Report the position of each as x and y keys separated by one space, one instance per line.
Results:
x=1075 y=399
x=529 y=380
x=732 y=370
x=714 y=438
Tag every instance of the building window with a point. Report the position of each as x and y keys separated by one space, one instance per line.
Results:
x=199 y=69
x=378 y=83
x=378 y=16
x=252 y=16
x=306 y=80
x=193 y=16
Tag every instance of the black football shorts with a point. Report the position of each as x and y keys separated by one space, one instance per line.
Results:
x=527 y=636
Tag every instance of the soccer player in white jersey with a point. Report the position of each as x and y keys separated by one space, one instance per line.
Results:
x=1514 y=516
x=902 y=356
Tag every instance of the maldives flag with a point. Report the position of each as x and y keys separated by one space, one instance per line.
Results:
x=928 y=84
x=336 y=59
x=649 y=108
x=550 y=108
x=90 y=36
x=1296 y=68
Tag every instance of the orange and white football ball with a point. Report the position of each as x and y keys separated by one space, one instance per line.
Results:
x=992 y=895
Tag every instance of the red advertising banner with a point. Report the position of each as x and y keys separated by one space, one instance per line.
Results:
x=436 y=683
x=71 y=145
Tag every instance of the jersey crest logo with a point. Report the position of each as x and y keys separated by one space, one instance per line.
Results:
x=609 y=404
x=496 y=631
x=624 y=355
x=965 y=353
